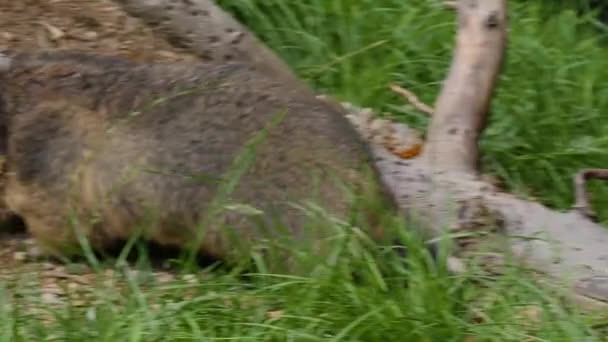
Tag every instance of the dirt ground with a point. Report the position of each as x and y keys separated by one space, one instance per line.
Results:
x=90 y=25
x=99 y=26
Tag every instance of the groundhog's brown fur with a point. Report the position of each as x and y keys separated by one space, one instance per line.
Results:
x=112 y=144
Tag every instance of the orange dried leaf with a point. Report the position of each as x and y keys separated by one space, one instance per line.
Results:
x=409 y=152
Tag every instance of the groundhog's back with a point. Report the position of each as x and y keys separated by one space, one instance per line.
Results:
x=126 y=141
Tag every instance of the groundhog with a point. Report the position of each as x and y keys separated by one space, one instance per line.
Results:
x=207 y=155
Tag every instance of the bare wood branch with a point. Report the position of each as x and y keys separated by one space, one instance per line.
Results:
x=412 y=99
x=462 y=106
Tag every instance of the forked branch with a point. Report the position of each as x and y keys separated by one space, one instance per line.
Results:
x=462 y=106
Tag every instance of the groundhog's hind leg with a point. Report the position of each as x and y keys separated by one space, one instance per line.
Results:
x=47 y=145
x=42 y=218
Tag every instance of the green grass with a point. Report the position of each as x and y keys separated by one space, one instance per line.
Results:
x=549 y=118
x=328 y=306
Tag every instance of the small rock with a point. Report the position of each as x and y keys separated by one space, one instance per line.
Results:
x=139 y=276
x=86 y=36
x=167 y=54
x=91 y=314
x=57 y=273
x=20 y=256
x=456 y=265
x=53 y=289
x=9 y=37
x=109 y=282
x=189 y=278
x=164 y=277
x=50 y=298
x=530 y=315
x=130 y=24
x=54 y=33
x=166 y=265
x=48 y=266
x=73 y=286
x=78 y=303
x=34 y=252
x=132 y=274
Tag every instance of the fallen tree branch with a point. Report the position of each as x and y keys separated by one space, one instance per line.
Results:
x=567 y=247
x=441 y=190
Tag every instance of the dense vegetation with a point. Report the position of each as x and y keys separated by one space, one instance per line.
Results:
x=549 y=118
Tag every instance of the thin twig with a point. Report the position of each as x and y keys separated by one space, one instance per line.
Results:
x=581 y=203
x=413 y=99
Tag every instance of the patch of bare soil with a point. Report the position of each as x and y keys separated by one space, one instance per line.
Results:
x=89 y=25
